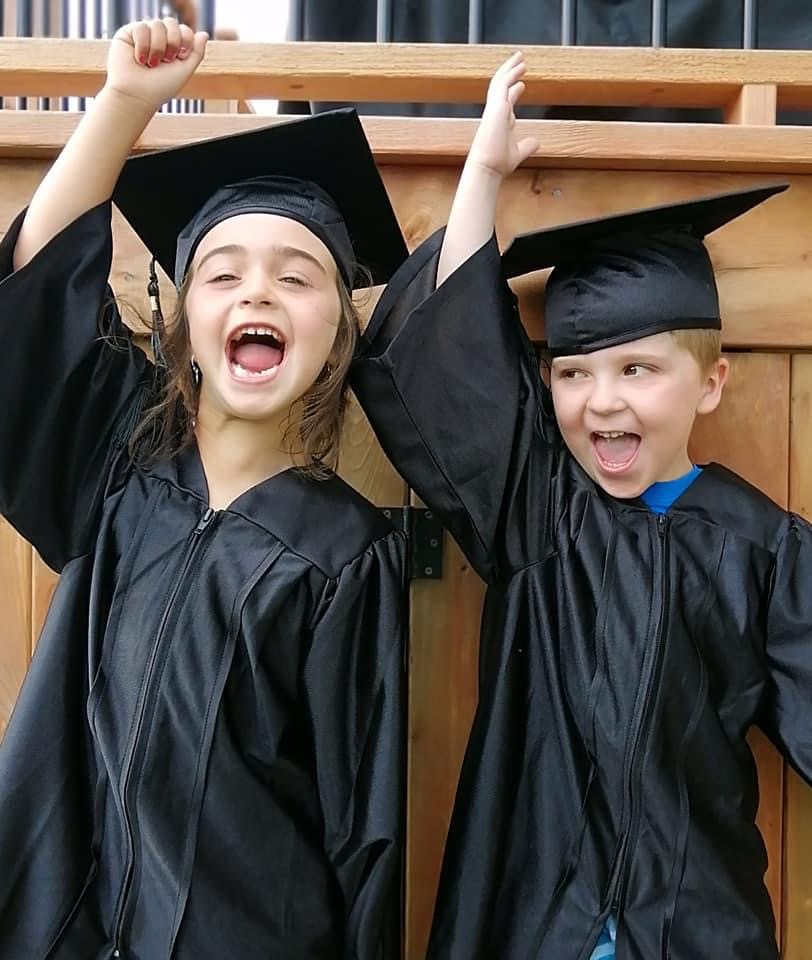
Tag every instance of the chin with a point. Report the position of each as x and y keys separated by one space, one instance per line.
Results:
x=620 y=487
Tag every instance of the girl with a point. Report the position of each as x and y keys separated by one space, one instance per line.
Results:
x=205 y=759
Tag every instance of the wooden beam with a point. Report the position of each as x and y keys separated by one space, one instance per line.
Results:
x=756 y=103
x=596 y=76
x=437 y=142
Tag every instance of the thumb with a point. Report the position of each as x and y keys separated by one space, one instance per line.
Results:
x=198 y=50
x=526 y=147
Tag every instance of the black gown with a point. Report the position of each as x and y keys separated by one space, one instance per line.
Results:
x=623 y=655
x=205 y=760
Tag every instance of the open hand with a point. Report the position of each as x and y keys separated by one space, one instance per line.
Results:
x=151 y=60
x=496 y=146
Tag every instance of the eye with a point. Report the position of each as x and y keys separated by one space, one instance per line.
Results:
x=293 y=280
x=636 y=369
x=223 y=278
x=570 y=373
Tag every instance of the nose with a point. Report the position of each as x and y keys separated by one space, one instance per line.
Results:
x=605 y=397
x=256 y=289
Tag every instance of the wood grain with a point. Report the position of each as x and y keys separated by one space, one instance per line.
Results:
x=420 y=141
x=444 y=647
x=15 y=615
x=755 y=104
x=633 y=76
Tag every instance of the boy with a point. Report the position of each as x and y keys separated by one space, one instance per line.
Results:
x=642 y=612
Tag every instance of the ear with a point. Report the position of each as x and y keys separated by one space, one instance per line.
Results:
x=714 y=383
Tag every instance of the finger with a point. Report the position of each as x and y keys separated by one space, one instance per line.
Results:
x=526 y=147
x=511 y=62
x=138 y=35
x=157 y=42
x=198 y=50
x=514 y=93
x=173 y=40
x=187 y=39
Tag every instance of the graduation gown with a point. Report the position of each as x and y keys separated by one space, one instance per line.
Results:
x=623 y=655
x=205 y=758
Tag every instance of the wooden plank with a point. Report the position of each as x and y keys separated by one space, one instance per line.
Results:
x=15 y=615
x=444 y=648
x=755 y=103
x=429 y=141
x=797 y=919
x=760 y=259
x=635 y=76
x=750 y=434
x=43 y=584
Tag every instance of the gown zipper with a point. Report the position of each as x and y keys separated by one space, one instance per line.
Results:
x=619 y=877
x=195 y=540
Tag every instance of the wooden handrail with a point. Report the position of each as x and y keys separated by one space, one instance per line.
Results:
x=564 y=143
x=599 y=76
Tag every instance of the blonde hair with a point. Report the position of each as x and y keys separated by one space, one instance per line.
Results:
x=314 y=421
x=704 y=345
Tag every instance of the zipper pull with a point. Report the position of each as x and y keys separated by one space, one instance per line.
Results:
x=204 y=521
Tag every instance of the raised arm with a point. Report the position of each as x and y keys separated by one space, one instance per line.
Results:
x=148 y=63
x=495 y=153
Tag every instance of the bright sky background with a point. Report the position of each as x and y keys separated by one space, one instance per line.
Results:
x=258 y=21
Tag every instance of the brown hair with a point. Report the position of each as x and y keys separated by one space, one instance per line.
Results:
x=314 y=422
x=704 y=345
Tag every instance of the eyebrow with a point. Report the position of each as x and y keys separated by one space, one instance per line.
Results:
x=286 y=252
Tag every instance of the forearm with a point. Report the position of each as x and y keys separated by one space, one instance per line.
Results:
x=472 y=217
x=86 y=171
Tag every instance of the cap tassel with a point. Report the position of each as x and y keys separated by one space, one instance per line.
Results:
x=158 y=327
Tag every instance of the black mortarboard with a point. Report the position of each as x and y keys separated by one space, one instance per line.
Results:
x=631 y=275
x=318 y=170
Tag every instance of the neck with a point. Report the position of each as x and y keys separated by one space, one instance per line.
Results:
x=238 y=454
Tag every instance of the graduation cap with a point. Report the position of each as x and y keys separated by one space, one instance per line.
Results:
x=630 y=275
x=318 y=170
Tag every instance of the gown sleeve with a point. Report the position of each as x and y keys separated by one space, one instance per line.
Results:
x=353 y=683
x=64 y=388
x=450 y=384
x=787 y=711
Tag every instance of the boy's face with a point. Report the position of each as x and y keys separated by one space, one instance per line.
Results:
x=626 y=412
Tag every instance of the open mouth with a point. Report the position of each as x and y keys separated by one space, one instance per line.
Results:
x=255 y=351
x=616 y=450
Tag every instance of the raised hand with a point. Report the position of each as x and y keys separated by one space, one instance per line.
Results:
x=151 y=60
x=496 y=147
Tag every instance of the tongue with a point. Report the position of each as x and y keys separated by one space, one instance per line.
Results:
x=618 y=449
x=257 y=356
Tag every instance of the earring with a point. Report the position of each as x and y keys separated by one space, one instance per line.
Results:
x=197 y=373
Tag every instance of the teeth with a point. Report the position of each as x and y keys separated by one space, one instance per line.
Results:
x=240 y=370
x=611 y=434
x=258 y=332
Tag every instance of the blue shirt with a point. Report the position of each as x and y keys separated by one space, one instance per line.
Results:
x=658 y=498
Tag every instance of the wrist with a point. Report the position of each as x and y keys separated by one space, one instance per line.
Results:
x=483 y=171
x=127 y=104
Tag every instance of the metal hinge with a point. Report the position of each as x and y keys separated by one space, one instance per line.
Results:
x=424 y=533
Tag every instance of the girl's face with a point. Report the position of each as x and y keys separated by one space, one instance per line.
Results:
x=263 y=309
